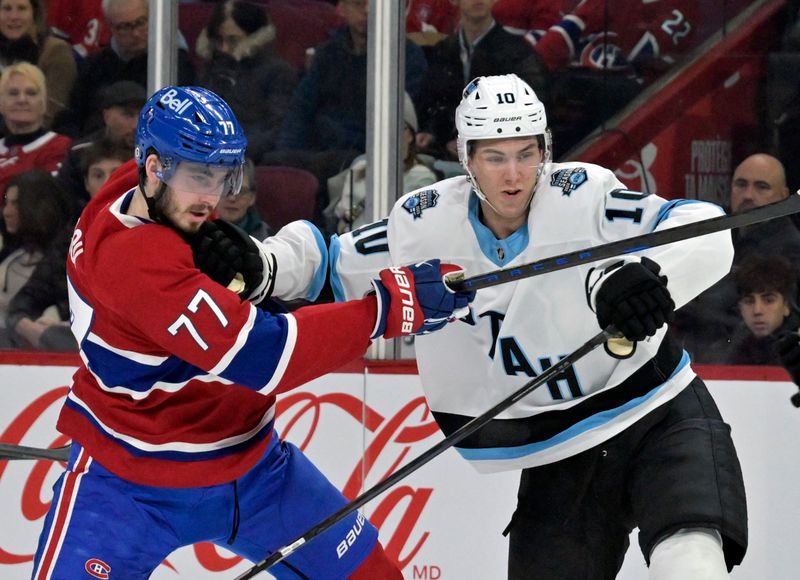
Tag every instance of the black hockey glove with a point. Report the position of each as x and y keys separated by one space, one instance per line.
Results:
x=788 y=347
x=635 y=300
x=222 y=250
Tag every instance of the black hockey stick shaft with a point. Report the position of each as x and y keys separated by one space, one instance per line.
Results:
x=449 y=441
x=629 y=245
x=9 y=451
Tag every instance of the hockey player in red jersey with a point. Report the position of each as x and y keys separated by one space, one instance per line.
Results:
x=644 y=34
x=172 y=412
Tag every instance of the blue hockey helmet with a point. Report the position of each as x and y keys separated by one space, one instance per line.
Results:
x=194 y=125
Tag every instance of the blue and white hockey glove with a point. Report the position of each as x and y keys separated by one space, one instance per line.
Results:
x=634 y=298
x=230 y=257
x=415 y=299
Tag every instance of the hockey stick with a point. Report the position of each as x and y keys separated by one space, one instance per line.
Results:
x=9 y=451
x=629 y=245
x=449 y=441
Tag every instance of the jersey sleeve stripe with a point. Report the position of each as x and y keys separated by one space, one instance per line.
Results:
x=665 y=210
x=174 y=449
x=334 y=252
x=137 y=357
x=286 y=355
x=241 y=341
x=319 y=276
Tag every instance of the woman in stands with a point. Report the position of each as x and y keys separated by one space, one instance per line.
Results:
x=24 y=36
x=245 y=71
x=27 y=144
x=35 y=215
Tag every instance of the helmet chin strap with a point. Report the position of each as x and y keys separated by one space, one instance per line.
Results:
x=153 y=206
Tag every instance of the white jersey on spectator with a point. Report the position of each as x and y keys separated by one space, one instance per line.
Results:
x=517 y=330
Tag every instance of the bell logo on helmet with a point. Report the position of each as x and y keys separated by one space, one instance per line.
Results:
x=177 y=105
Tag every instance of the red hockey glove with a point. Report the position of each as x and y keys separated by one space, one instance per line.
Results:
x=415 y=300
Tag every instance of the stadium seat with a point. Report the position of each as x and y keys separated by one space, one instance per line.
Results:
x=285 y=194
x=301 y=24
x=192 y=18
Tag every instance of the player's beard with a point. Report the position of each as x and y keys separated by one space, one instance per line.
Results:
x=166 y=208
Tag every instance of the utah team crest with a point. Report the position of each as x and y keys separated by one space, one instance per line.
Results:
x=569 y=179
x=420 y=201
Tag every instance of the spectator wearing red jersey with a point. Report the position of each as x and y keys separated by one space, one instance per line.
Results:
x=23 y=100
x=431 y=16
x=81 y=23
x=529 y=14
x=597 y=58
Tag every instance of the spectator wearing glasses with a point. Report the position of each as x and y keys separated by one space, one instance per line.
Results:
x=124 y=59
x=245 y=71
x=24 y=36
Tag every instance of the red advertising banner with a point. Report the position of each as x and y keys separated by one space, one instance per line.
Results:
x=444 y=521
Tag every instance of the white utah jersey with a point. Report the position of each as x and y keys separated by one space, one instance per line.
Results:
x=518 y=329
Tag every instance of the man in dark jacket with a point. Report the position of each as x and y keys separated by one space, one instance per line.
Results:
x=479 y=47
x=124 y=59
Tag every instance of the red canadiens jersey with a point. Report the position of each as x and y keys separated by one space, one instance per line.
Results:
x=179 y=376
x=527 y=14
x=81 y=22
x=636 y=31
x=431 y=16
x=47 y=152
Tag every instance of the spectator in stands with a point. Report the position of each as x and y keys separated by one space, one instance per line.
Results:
x=124 y=59
x=35 y=213
x=348 y=189
x=241 y=209
x=24 y=37
x=23 y=98
x=525 y=15
x=326 y=126
x=479 y=47
x=713 y=315
x=38 y=315
x=120 y=103
x=766 y=287
x=96 y=162
x=80 y=23
x=243 y=69
x=759 y=180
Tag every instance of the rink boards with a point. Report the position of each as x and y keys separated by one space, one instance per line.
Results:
x=442 y=522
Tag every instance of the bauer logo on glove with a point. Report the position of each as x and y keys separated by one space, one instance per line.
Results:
x=416 y=300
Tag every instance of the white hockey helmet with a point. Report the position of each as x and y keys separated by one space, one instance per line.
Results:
x=499 y=107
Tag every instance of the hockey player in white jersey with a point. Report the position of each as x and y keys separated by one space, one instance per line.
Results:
x=616 y=441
